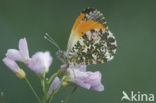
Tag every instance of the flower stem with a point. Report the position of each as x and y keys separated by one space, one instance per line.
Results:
x=2 y=97
x=37 y=97
x=47 y=85
x=53 y=76
x=42 y=79
x=51 y=97
x=70 y=95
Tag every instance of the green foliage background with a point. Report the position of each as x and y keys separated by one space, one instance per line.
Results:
x=133 y=23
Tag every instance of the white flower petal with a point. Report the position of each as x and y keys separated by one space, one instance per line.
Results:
x=23 y=48
x=14 y=55
x=40 y=62
x=11 y=64
x=86 y=79
x=98 y=88
x=47 y=59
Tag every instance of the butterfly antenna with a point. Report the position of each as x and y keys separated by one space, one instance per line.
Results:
x=51 y=40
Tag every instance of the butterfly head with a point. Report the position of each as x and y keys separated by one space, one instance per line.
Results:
x=62 y=55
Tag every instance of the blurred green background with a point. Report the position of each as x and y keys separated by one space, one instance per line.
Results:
x=133 y=23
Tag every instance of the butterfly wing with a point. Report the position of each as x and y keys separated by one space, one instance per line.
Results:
x=90 y=41
x=87 y=20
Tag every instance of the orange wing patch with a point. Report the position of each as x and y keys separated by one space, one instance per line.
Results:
x=88 y=25
x=88 y=19
x=78 y=20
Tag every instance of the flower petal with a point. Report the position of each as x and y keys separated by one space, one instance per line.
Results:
x=98 y=88
x=78 y=77
x=35 y=65
x=40 y=62
x=11 y=64
x=47 y=59
x=23 y=48
x=94 y=78
x=14 y=55
x=88 y=80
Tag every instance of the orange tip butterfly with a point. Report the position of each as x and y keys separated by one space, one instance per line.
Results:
x=90 y=41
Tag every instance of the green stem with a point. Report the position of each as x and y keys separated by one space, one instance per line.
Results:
x=44 y=100
x=37 y=97
x=51 y=97
x=44 y=88
x=53 y=76
x=70 y=95
x=42 y=79
x=42 y=85
x=2 y=97
x=47 y=85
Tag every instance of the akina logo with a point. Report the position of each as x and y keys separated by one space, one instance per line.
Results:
x=137 y=97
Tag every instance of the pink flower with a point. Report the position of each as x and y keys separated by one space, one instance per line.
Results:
x=40 y=62
x=54 y=85
x=88 y=80
x=19 y=55
x=11 y=64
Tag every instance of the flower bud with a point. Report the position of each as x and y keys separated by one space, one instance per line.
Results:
x=54 y=85
x=20 y=74
x=12 y=65
x=65 y=84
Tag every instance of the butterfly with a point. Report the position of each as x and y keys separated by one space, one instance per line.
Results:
x=90 y=41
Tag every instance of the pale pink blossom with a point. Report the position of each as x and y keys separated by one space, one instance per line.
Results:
x=86 y=79
x=40 y=62
x=19 y=55
x=11 y=64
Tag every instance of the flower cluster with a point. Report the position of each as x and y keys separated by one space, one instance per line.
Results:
x=40 y=62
